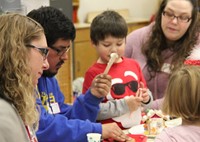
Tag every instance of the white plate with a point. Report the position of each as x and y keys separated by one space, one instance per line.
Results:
x=138 y=129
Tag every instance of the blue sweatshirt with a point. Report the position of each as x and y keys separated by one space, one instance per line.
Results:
x=60 y=122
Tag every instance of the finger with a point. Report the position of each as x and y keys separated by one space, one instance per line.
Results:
x=103 y=80
x=123 y=136
x=103 y=86
x=102 y=92
x=139 y=93
x=105 y=76
x=120 y=137
x=139 y=99
x=144 y=91
x=145 y=95
x=141 y=85
x=117 y=130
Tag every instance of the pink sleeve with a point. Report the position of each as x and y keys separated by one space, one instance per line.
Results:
x=132 y=42
x=163 y=137
x=136 y=39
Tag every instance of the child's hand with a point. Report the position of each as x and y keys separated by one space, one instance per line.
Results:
x=144 y=93
x=133 y=102
x=101 y=85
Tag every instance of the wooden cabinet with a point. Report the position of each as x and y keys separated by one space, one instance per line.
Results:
x=134 y=26
x=65 y=77
x=84 y=54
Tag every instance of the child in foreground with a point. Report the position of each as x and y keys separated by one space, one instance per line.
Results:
x=182 y=99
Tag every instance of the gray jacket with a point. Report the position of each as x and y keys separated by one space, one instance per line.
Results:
x=12 y=128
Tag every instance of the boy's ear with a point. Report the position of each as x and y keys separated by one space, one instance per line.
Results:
x=91 y=42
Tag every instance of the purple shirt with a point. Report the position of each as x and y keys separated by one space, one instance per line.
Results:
x=135 y=40
x=182 y=133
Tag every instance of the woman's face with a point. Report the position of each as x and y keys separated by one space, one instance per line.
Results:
x=176 y=19
x=37 y=61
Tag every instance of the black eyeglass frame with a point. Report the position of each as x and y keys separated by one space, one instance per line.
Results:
x=59 y=52
x=179 y=18
x=43 y=51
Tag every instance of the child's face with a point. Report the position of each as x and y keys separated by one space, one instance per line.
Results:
x=110 y=45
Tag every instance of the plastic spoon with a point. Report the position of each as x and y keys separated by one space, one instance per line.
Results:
x=113 y=57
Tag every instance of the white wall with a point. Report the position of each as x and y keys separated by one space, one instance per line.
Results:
x=137 y=8
x=33 y=4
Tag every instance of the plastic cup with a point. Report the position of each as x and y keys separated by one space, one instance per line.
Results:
x=94 y=137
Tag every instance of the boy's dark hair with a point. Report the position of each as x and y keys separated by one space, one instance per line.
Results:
x=108 y=23
x=56 y=25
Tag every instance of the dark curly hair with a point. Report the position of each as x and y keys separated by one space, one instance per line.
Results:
x=157 y=42
x=56 y=25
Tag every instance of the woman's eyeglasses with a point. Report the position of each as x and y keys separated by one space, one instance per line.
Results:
x=119 y=88
x=43 y=51
x=59 y=52
x=171 y=16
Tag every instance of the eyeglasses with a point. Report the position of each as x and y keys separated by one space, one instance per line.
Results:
x=171 y=16
x=119 y=88
x=43 y=51
x=59 y=52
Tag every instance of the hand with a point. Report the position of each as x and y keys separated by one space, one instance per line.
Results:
x=101 y=85
x=144 y=93
x=133 y=102
x=113 y=131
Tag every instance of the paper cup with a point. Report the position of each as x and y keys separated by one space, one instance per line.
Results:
x=94 y=137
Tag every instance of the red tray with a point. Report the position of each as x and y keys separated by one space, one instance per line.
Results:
x=138 y=138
